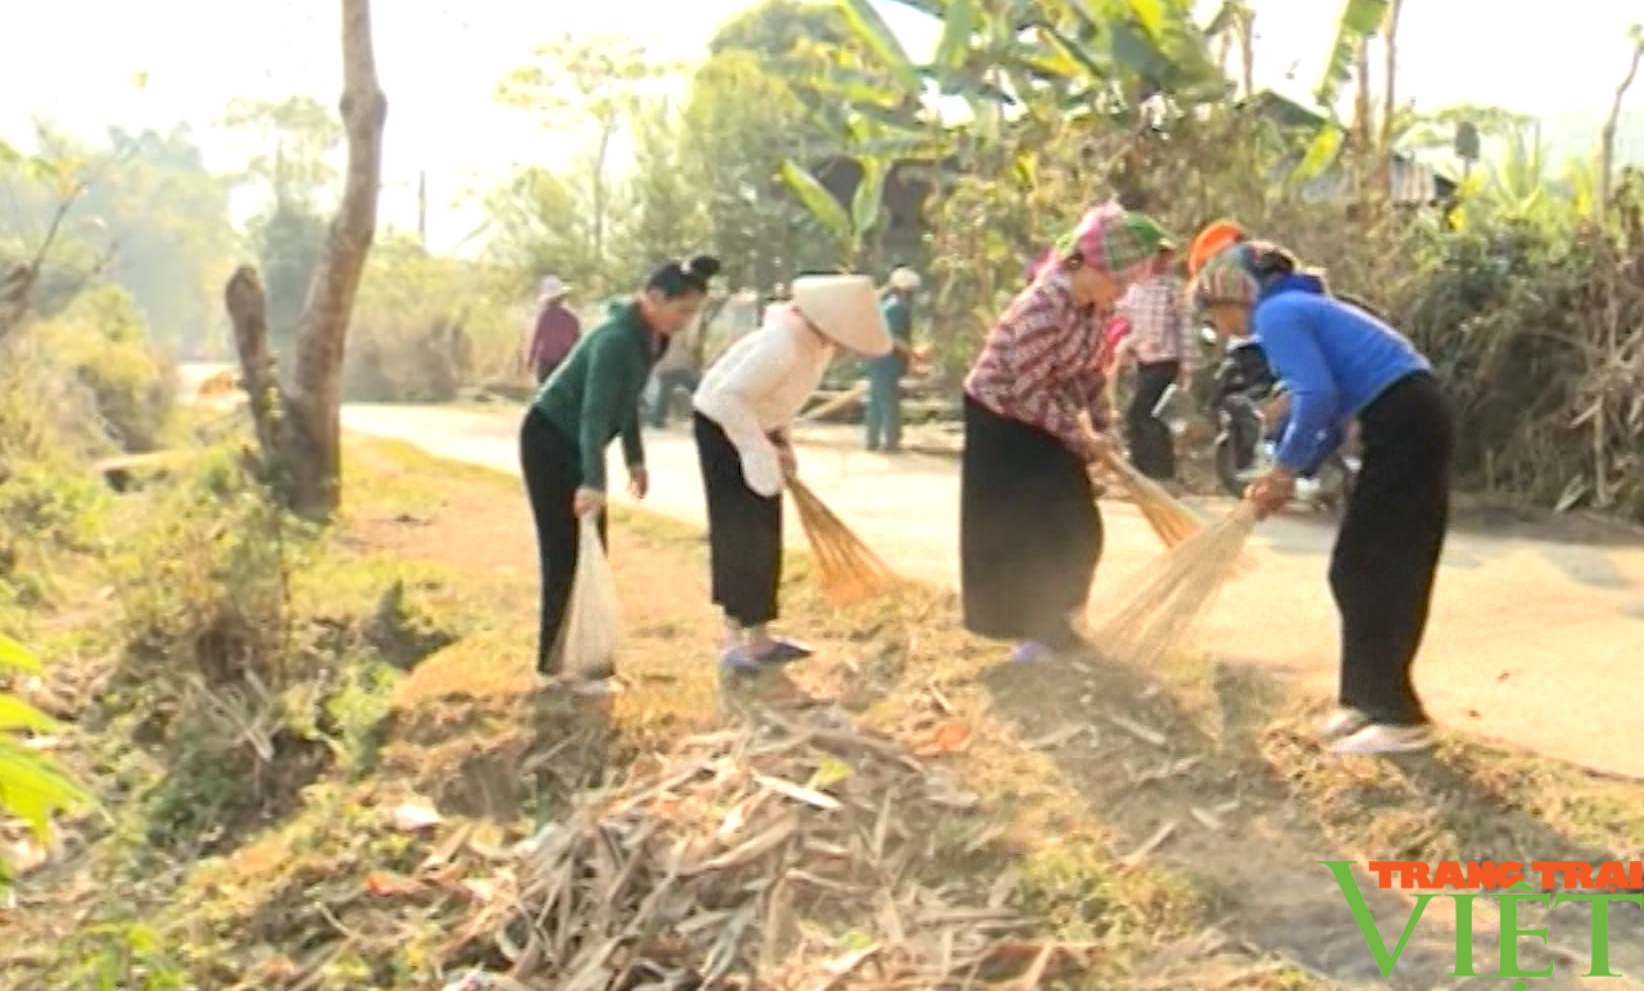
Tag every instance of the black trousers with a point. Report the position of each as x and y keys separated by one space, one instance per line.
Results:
x=1387 y=552
x=1030 y=533
x=1152 y=446
x=744 y=531
x=552 y=466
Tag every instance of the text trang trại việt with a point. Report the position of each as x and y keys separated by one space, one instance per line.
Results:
x=1510 y=884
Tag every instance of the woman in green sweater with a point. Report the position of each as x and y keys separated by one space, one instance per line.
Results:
x=590 y=399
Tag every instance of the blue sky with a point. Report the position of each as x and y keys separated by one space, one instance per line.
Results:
x=439 y=61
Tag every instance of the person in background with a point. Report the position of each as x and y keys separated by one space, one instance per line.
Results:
x=556 y=332
x=1343 y=363
x=679 y=368
x=588 y=401
x=744 y=409
x=1116 y=345
x=1030 y=531
x=883 y=418
x=1161 y=342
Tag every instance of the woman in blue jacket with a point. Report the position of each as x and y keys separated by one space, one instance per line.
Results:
x=1341 y=363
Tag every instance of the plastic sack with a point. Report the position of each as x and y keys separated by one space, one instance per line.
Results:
x=593 y=617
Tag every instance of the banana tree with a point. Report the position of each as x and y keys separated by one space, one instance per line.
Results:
x=852 y=228
x=1109 y=53
x=33 y=787
x=1360 y=20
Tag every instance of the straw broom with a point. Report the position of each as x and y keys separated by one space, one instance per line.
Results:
x=1170 y=518
x=852 y=395
x=848 y=569
x=1171 y=595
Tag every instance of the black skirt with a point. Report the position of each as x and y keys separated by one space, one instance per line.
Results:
x=1030 y=532
x=744 y=531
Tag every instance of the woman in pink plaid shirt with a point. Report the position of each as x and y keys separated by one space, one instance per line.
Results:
x=1030 y=531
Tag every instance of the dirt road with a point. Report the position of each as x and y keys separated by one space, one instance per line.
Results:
x=1535 y=642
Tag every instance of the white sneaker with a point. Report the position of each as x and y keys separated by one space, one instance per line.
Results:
x=598 y=686
x=1342 y=722
x=578 y=686
x=1380 y=738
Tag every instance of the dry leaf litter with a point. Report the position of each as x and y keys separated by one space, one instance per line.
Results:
x=784 y=856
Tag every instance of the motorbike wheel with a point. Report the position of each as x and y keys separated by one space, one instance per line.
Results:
x=1336 y=502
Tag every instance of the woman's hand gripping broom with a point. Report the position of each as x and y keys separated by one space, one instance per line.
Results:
x=1174 y=521
x=1171 y=519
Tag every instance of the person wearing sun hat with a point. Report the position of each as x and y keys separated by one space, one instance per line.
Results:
x=745 y=407
x=1343 y=363
x=883 y=419
x=556 y=331
x=1030 y=530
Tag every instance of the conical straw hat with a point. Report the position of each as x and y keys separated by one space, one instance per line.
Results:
x=845 y=308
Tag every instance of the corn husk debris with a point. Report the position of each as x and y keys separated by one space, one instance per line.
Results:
x=787 y=856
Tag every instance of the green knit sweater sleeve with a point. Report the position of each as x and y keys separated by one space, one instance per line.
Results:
x=633 y=444
x=608 y=394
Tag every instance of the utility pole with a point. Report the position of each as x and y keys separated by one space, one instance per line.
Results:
x=422 y=208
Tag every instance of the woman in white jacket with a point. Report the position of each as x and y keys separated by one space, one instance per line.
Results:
x=744 y=408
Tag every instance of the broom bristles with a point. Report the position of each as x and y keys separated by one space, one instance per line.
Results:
x=1172 y=595
x=1170 y=518
x=847 y=569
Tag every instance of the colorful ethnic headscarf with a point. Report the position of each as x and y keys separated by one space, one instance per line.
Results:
x=1122 y=243
x=1226 y=277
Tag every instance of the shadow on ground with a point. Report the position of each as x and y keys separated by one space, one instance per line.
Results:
x=1251 y=807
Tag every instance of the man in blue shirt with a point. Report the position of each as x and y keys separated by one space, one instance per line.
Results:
x=884 y=412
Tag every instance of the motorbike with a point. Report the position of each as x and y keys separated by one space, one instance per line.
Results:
x=1245 y=390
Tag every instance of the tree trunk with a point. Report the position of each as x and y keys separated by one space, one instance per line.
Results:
x=1389 y=99
x=1606 y=162
x=607 y=131
x=1364 y=145
x=1247 y=50
x=299 y=424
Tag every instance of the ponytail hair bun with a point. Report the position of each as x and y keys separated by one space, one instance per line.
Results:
x=704 y=267
x=675 y=278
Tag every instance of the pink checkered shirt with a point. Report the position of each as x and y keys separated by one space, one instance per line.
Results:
x=1160 y=326
x=1041 y=364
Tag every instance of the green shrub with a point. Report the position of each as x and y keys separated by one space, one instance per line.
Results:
x=398 y=359
x=100 y=340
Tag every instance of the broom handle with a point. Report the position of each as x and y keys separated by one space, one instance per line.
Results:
x=838 y=402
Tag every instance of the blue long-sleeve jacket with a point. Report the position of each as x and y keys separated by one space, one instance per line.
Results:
x=1336 y=359
x=1333 y=436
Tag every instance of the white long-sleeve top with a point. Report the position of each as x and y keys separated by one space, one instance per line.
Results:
x=758 y=386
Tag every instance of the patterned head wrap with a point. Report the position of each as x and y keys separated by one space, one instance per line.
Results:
x=1226 y=278
x=1119 y=242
